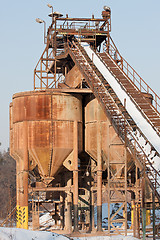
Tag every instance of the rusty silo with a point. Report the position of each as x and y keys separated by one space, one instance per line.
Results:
x=76 y=143
x=42 y=135
x=94 y=116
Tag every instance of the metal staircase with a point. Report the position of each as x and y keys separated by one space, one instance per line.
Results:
x=128 y=71
x=116 y=112
x=148 y=110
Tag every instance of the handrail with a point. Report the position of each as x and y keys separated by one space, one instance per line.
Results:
x=110 y=47
x=76 y=25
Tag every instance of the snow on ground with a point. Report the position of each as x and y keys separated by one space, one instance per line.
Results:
x=118 y=237
x=141 y=122
x=21 y=234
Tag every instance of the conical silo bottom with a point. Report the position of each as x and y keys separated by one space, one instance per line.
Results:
x=49 y=161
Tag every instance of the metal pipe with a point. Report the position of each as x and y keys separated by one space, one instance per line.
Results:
x=125 y=169
x=153 y=202
x=75 y=177
x=38 y=20
x=62 y=209
x=109 y=189
x=143 y=209
x=99 y=179
x=45 y=189
x=55 y=48
x=44 y=32
x=68 y=208
x=134 y=218
x=92 y=212
x=50 y=6
x=138 y=221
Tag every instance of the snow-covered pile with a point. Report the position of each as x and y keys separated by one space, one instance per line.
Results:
x=46 y=220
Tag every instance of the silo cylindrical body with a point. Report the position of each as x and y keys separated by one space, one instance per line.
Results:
x=111 y=146
x=49 y=118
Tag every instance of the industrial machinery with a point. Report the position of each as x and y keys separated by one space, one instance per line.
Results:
x=87 y=135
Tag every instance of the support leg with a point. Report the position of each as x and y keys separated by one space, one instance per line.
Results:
x=143 y=209
x=75 y=177
x=23 y=180
x=92 y=212
x=99 y=180
x=68 y=207
x=154 y=232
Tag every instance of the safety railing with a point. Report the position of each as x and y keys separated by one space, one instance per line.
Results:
x=110 y=47
x=76 y=25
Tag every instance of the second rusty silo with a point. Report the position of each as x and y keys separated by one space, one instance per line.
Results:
x=111 y=145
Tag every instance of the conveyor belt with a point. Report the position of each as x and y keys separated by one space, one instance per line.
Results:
x=121 y=120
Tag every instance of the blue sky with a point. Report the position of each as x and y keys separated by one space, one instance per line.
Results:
x=135 y=30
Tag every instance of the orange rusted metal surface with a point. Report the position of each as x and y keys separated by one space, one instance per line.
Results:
x=50 y=117
x=94 y=115
x=148 y=96
x=73 y=78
